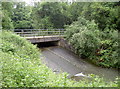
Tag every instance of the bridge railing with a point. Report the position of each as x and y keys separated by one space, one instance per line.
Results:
x=39 y=32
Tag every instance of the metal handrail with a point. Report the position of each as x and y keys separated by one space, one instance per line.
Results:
x=39 y=32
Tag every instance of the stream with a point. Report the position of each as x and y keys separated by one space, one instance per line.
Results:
x=63 y=60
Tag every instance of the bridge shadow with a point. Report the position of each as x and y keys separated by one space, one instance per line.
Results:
x=47 y=44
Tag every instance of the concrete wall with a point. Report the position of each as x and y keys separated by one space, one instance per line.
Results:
x=64 y=43
x=43 y=39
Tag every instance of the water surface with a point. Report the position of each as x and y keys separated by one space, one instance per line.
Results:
x=63 y=60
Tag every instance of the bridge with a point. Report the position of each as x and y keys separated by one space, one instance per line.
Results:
x=41 y=35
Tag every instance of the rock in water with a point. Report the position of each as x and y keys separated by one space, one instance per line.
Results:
x=80 y=76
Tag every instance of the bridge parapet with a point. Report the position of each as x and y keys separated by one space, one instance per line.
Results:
x=39 y=32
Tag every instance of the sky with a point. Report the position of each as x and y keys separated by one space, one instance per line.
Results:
x=30 y=1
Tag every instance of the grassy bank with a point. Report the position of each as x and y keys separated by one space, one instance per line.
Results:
x=22 y=67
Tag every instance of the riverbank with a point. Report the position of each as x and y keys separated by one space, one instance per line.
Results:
x=22 y=67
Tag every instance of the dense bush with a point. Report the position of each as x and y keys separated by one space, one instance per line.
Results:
x=108 y=49
x=89 y=42
x=21 y=67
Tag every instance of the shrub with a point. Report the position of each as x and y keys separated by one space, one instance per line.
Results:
x=89 y=42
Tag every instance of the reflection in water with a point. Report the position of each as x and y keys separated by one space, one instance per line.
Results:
x=62 y=60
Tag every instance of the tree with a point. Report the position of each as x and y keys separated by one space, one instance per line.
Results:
x=21 y=16
x=6 y=13
x=105 y=14
x=54 y=14
x=75 y=10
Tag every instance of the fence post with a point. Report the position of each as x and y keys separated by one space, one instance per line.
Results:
x=22 y=33
x=59 y=32
x=34 y=33
x=47 y=32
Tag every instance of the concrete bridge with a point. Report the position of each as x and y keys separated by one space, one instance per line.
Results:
x=41 y=35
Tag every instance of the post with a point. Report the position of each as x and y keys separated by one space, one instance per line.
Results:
x=22 y=33
x=47 y=32
x=34 y=33
x=59 y=32
x=31 y=33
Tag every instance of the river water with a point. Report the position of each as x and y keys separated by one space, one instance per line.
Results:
x=63 y=60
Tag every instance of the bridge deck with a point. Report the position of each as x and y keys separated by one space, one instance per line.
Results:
x=44 y=36
x=39 y=39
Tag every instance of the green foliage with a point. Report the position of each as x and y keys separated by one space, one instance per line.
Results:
x=89 y=42
x=21 y=67
x=6 y=13
x=106 y=14
x=21 y=16
x=50 y=15
x=15 y=44
x=43 y=23
x=108 y=49
x=22 y=24
x=6 y=20
x=8 y=6
x=100 y=44
x=75 y=10
x=83 y=35
x=56 y=15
